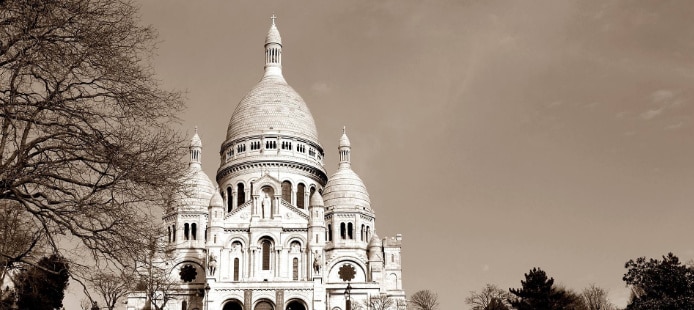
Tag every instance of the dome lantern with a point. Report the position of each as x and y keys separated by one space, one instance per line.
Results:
x=195 y=149
x=273 y=50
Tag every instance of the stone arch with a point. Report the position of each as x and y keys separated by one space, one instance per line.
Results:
x=264 y=304
x=296 y=304
x=233 y=304
x=359 y=267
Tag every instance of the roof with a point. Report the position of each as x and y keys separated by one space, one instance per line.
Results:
x=272 y=106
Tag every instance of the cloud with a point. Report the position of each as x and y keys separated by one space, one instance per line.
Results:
x=650 y=114
x=675 y=126
x=662 y=95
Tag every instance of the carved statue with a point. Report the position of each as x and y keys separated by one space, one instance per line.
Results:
x=212 y=264
x=267 y=205
x=316 y=263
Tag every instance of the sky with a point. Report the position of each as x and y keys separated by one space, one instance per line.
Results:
x=495 y=136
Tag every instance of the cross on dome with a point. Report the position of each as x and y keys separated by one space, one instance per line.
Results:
x=273 y=17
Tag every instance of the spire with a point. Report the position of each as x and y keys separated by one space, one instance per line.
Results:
x=273 y=50
x=344 y=149
x=195 y=149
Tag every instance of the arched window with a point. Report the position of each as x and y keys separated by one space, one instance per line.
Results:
x=330 y=232
x=229 y=200
x=241 y=194
x=343 y=231
x=266 y=254
x=169 y=232
x=287 y=191
x=363 y=233
x=295 y=269
x=368 y=233
x=174 y=233
x=194 y=231
x=236 y=269
x=350 y=231
x=186 y=231
x=310 y=194
x=184 y=305
x=300 y=193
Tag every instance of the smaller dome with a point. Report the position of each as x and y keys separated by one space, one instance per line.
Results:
x=216 y=200
x=375 y=241
x=316 y=200
x=346 y=189
x=197 y=188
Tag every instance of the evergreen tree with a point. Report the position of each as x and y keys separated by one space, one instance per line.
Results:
x=539 y=293
x=535 y=293
x=43 y=286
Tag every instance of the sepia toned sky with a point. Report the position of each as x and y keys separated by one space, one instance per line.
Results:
x=496 y=136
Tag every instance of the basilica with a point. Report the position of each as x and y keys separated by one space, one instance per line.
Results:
x=274 y=231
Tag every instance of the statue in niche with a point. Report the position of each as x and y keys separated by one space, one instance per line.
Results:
x=316 y=262
x=235 y=247
x=212 y=264
x=295 y=247
x=266 y=205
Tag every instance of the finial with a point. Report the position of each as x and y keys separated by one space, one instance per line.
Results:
x=196 y=129
x=344 y=130
x=273 y=17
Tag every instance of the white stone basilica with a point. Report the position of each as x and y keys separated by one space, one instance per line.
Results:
x=276 y=231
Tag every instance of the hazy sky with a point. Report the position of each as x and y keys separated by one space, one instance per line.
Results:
x=496 y=136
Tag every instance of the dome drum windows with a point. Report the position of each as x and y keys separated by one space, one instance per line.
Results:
x=301 y=148
x=270 y=145
x=240 y=148
x=255 y=145
x=286 y=145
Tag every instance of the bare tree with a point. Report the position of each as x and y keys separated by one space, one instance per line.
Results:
x=111 y=285
x=86 y=147
x=153 y=273
x=490 y=296
x=424 y=300
x=379 y=302
x=595 y=298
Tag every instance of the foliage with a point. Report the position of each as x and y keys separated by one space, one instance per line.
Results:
x=86 y=147
x=539 y=293
x=424 y=300
x=656 y=284
x=490 y=297
x=43 y=286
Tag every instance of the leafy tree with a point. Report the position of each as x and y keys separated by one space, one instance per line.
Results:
x=656 y=284
x=424 y=300
x=43 y=286
x=491 y=297
x=539 y=293
x=86 y=147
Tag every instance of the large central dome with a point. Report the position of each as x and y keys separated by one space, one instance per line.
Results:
x=272 y=106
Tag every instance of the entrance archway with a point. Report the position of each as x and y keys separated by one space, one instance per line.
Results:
x=233 y=305
x=264 y=305
x=296 y=305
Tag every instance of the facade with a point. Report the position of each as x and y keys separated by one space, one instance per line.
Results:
x=274 y=231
